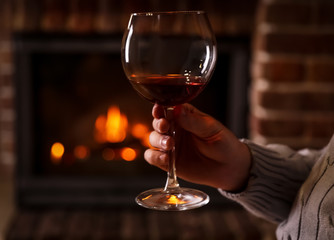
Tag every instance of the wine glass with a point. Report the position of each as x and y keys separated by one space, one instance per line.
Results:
x=169 y=58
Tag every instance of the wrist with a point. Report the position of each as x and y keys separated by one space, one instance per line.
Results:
x=238 y=171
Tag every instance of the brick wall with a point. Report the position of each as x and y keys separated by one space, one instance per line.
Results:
x=292 y=95
x=6 y=92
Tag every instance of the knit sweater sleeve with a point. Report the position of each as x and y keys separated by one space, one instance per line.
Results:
x=276 y=175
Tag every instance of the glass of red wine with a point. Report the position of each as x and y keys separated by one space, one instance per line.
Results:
x=169 y=58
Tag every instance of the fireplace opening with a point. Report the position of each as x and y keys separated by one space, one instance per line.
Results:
x=88 y=120
x=81 y=128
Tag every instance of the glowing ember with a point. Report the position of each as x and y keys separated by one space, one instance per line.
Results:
x=128 y=154
x=57 y=152
x=81 y=152
x=172 y=199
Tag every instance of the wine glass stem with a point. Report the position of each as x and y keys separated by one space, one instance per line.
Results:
x=171 y=183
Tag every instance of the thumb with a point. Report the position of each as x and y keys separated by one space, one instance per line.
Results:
x=198 y=123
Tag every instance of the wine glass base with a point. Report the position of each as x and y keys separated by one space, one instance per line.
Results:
x=172 y=200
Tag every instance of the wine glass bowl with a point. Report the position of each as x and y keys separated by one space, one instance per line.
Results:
x=169 y=58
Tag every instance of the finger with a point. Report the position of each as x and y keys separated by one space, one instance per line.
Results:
x=156 y=158
x=160 y=125
x=158 y=111
x=197 y=122
x=163 y=142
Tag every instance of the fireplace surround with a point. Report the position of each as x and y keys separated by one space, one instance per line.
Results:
x=64 y=82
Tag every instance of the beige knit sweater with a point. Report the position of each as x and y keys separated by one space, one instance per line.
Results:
x=292 y=188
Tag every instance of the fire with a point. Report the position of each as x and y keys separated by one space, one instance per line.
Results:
x=112 y=127
x=128 y=154
x=57 y=152
x=139 y=130
x=145 y=141
x=116 y=125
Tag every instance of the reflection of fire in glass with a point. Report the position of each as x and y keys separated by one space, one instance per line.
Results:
x=172 y=199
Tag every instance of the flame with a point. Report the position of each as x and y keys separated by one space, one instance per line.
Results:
x=128 y=154
x=172 y=199
x=145 y=141
x=100 y=123
x=57 y=152
x=139 y=130
x=112 y=127
x=116 y=125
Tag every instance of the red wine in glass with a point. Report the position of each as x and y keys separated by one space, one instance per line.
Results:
x=169 y=90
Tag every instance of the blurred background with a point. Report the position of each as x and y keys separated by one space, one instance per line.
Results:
x=61 y=82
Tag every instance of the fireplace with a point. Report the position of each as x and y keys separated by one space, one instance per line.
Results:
x=82 y=129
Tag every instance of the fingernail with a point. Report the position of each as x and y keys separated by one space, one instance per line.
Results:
x=164 y=141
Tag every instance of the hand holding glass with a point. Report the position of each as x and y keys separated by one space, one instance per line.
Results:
x=169 y=58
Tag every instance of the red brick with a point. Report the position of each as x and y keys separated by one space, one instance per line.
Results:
x=7 y=125
x=8 y=147
x=54 y=15
x=6 y=14
x=321 y=71
x=325 y=43
x=289 y=13
x=306 y=43
x=7 y=171
x=306 y=101
x=319 y=101
x=6 y=57
x=289 y=43
x=6 y=80
x=325 y=14
x=321 y=128
x=280 y=101
x=7 y=103
x=283 y=71
x=278 y=128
